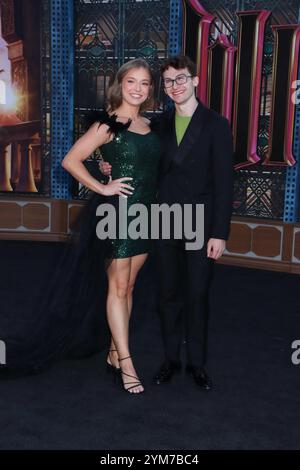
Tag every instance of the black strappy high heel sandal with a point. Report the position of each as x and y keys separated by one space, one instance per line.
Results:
x=110 y=368
x=132 y=384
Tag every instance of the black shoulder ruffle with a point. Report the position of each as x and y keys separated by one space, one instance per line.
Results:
x=104 y=118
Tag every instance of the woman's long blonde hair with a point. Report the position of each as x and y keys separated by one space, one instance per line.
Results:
x=114 y=93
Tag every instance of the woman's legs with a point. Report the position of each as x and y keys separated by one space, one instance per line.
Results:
x=121 y=278
x=136 y=264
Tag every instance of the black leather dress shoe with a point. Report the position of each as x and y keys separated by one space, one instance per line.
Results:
x=166 y=372
x=200 y=377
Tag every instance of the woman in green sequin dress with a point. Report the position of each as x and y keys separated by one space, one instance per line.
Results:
x=134 y=155
x=125 y=141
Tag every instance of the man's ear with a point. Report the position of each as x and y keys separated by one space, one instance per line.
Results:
x=196 y=81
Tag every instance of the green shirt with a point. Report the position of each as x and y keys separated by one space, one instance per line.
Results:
x=181 y=123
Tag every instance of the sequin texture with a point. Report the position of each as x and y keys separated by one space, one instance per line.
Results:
x=136 y=156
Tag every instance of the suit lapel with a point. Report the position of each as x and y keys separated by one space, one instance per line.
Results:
x=170 y=141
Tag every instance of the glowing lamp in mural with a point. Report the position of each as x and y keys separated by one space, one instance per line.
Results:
x=8 y=97
x=2 y=92
x=20 y=148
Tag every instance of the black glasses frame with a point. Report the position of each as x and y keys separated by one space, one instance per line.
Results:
x=171 y=81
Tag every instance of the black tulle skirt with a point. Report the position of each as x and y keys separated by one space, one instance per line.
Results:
x=71 y=313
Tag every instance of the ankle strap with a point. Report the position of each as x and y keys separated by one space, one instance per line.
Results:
x=123 y=359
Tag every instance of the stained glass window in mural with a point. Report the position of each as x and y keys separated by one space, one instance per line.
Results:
x=109 y=33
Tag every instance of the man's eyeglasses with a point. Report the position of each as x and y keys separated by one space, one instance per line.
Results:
x=179 y=80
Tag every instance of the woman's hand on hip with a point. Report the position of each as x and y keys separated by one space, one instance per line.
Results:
x=118 y=187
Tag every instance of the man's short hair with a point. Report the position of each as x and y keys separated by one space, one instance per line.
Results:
x=180 y=62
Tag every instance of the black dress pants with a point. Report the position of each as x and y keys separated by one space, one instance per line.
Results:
x=184 y=280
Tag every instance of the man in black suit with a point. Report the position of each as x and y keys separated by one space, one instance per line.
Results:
x=197 y=168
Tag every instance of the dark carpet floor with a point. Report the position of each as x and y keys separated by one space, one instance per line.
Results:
x=255 y=401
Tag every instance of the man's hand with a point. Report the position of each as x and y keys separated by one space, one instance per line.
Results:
x=215 y=248
x=105 y=168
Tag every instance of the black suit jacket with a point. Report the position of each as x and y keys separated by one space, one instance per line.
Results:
x=200 y=169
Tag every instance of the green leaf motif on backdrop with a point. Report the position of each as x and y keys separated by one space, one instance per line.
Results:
x=97 y=51
x=147 y=49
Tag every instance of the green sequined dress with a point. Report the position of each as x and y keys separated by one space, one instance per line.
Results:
x=136 y=156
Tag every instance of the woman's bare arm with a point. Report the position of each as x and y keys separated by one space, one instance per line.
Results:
x=81 y=150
